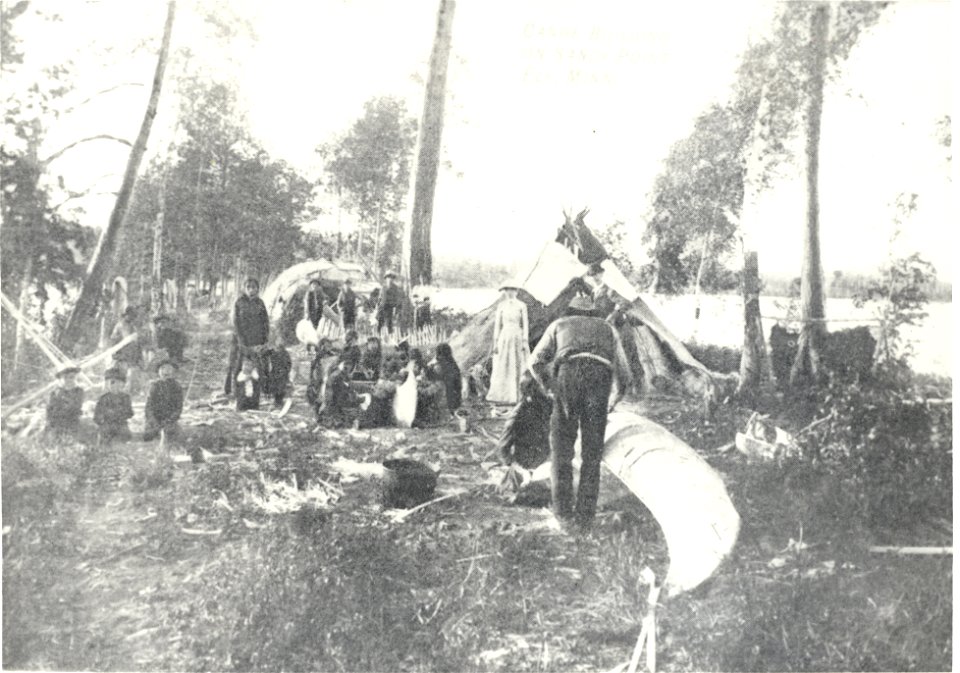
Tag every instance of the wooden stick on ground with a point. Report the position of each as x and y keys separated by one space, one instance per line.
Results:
x=912 y=550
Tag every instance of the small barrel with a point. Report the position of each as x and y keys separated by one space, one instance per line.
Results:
x=407 y=483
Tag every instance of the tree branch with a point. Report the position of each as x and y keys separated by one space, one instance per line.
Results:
x=103 y=136
x=100 y=93
x=77 y=195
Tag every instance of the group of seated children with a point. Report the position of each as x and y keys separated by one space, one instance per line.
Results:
x=114 y=408
x=334 y=378
x=267 y=372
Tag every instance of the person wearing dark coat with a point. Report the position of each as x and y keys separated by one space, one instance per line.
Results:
x=581 y=357
x=432 y=406
x=423 y=316
x=388 y=307
x=447 y=371
x=113 y=409
x=351 y=349
x=371 y=360
x=164 y=403
x=313 y=303
x=251 y=329
x=168 y=338
x=65 y=405
x=278 y=378
x=341 y=405
x=347 y=305
x=525 y=439
x=248 y=386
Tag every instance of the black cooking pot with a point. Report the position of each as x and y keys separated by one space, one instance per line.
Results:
x=407 y=483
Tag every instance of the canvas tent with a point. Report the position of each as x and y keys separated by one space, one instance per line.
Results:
x=281 y=290
x=576 y=261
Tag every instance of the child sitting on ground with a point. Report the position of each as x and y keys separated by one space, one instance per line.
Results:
x=164 y=404
x=66 y=403
x=278 y=377
x=113 y=408
x=247 y=389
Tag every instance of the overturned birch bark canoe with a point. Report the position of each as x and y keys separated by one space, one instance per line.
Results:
x=685 y=495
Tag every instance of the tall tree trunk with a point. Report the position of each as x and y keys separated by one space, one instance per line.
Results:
x=428 y=157
x=807 y=362
x=376 y=242
x=23 y=302
x=156 y=275
x=86 y=306
x=700 y=269
x=756 y=371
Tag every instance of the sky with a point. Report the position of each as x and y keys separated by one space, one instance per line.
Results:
x=550 y=106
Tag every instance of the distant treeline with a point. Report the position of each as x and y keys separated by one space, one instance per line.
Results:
x=452 y=272
x=844 y=286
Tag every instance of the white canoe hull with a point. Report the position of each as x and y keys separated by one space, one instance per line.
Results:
x=686 y=496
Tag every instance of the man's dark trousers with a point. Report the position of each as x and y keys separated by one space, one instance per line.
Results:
x=582 y=392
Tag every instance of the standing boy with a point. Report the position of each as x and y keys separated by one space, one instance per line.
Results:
x=251 y=329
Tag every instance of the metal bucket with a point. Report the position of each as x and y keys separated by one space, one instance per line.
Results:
x=407 y=483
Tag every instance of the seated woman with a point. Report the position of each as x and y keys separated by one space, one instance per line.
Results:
x=432 y=406
x=341 y=405
x=371 y=361
x=351 y=350
x=324 y=359
x=394 y=365
x=446 y=370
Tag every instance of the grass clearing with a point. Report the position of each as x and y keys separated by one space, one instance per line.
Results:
x=123 y=560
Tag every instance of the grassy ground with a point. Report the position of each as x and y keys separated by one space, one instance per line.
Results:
x=267 y=559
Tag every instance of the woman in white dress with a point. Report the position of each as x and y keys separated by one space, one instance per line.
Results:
x=511 y=349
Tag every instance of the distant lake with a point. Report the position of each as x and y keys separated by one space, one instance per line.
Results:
x=721 y=320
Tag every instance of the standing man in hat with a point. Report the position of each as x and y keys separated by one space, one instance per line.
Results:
x=313 y=302
x=347 y=305
x=251 y=329
x=575 y=363
x=423 y=316
x=391 y=298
